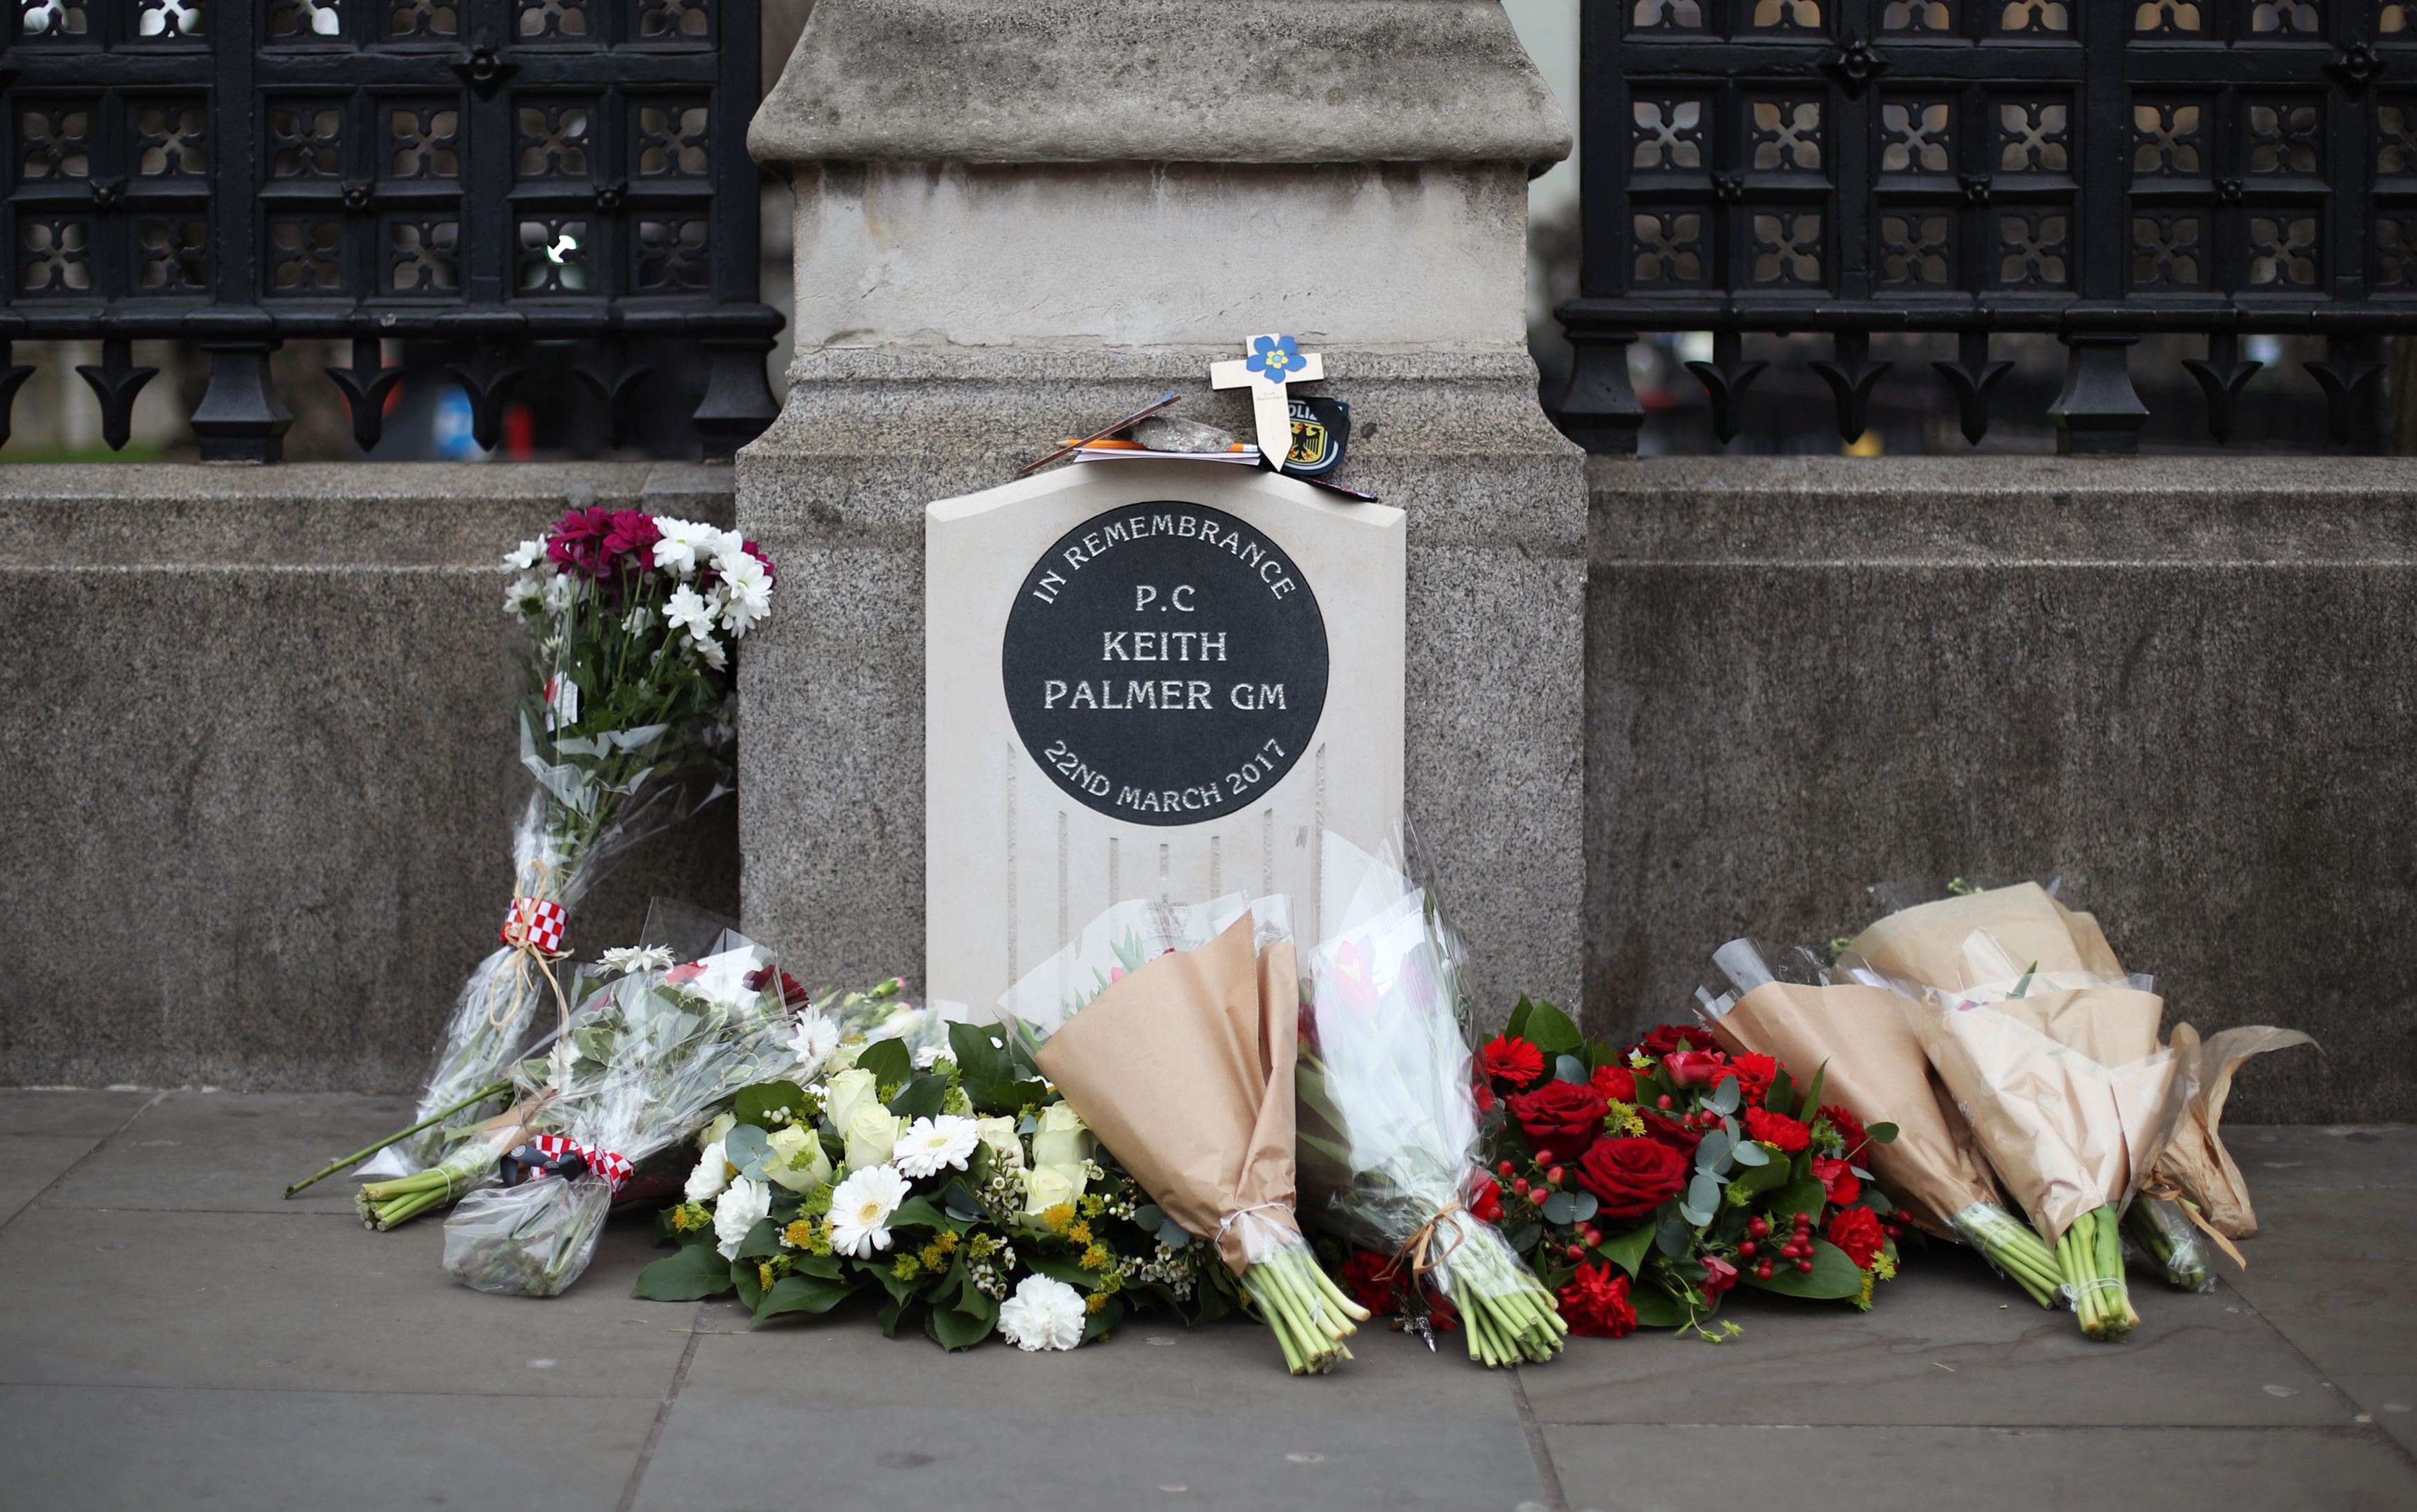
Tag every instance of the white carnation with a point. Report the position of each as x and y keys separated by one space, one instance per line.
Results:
x=1045 y=1313
x=931 y=1145
x=712 y=1173
x=860 y=1209
x=747 y=1200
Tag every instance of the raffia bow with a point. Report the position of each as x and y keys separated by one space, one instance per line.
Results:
x=1418 y=1254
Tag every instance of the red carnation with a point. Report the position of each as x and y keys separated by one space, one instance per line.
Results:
x=1755 y=1074
x=1838 y=1179
x=1777 y=1130
x=1596 y=1302
x=1696 y=1067
x=1661 y=1040
x=1849 y=1127
x=1856 y=1230
x=1632 y=1178
x=1485 y=1198
x=1363 y=1277
x=1564 y=1117
x=1615 y=1084
x=1515 y=1061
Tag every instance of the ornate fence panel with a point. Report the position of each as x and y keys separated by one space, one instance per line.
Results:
x=485 y=173
x=2095 y=169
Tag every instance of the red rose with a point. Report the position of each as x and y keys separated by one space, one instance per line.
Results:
x=1614 y=1083
x=1719 y=1275
x=1485 y=1198
x=1363 y=1277
x=1695 y=1067
x=1515 y=1061
x=1662 y=1039
x=1669 y=1131
x=1596 y=1302
x=1849 y=1127
x=1564 y=1117
x=1856 y=1230
x=1632 y=1178
x=1754 y=1074
x=1777 y=1130
x=1838 y=1179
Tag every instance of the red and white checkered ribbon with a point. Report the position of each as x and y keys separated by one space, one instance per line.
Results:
x=613 y=1167
x=537 y=923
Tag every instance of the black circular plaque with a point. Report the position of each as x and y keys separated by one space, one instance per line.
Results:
x=1165 y=663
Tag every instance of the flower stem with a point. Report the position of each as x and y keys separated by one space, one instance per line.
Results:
x=492 y=1089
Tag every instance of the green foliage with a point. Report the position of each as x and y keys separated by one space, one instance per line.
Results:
x=754 y=1105
x=888 y=1060
x=1833 y=1276
x=695 y=1272
x=1550 y=1030
x=1627 y=1250
x=802 y=1294
x=921 y=1097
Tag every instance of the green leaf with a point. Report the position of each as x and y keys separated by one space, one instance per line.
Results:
x=952 y=1330
x=1882 y=1133
x=1110 y=1315
x=762 y=1240
x=1704 y=1195
x=1812 y=1105
x=1781 y=1098
x=1148 y=1218
x=1057 y=1267
x=888 y=1060
x=698 y=1271
x=802 y=1294
x=998 y=1099
x=1517 y=1027
x=1833 y=1276
x=921 y=1097
x=1522 y=1236
x=1570 y=1068
x=1656 y=1309
x=1550 y=1030
x=1674 y=1237
x=1749 y=1152
x=754 y=1105
x=1627 y=1250
x=892 y=1311
x=1712 y=1148
x=744 y=1147
x=898 y=1290
x=1559 y=1208
x=978 y=1061
x=1804 y=1197
x=744 y=1275
x=919 y=1213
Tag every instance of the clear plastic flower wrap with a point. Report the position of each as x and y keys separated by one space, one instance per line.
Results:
x=647 y=1054
x=624 y=723
x=1389 y=1145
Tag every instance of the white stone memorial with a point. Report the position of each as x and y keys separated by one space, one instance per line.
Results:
x=1147 y=679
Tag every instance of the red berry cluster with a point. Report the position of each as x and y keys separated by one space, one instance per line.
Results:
x=1798 y=1248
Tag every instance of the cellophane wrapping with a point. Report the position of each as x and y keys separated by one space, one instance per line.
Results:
x=643 y=1059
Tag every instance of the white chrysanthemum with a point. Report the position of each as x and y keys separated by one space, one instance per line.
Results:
x=561 y=593
x=932 y=1144
x=860 y=1209
x=678 y=542
x=709 y=651
x=1045 y=1313
x=688 y=611
x=524 y=557
x=639 y=620
x=927 y=1057
x=747 y=1200
x=816 y=1038
x=559 y=1064
x=623 y=959
x=712 y=1173
x=746 y=596
x=526 y=594
x=726 y=543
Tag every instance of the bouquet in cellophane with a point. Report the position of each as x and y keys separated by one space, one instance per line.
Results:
x=1183 y=1063
x=1390 y=1143
x=624 y=723
x=650 y=1049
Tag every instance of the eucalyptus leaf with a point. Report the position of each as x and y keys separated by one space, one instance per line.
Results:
x=1704 y=1196
x=1882 y=1133
x=1147 y=1216
x=1713 y=1148
x=1749 y=1152
x=1675 y=1236
x=1559 y=1208
x=1583 y=1206
x=1570 y=1068
x=1700 y=1218
x=745 y=1147
x=1725 y=1096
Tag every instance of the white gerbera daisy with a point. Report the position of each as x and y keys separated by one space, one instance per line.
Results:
x=747 y=1200
x=624 y=959
x=712 y=1173
x=931 y=1144
x=816 y=1038
x=860 y=1209
x=1045 y=1313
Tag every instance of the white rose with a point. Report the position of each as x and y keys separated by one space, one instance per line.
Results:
x=871 y=1135
x=798 y=1161
x=746 y=1201
x=845 y=1057
x=1062 y=1140
x=999 y=1134
x=712 y=1133
x=1048 y=1186
x=846 y=1094
x=711 y=1174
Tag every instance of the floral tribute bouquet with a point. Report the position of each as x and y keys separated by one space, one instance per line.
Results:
x=1643 y=1185
x=649 y=1051
x=1388 y=1136
x=632 y=620
x=957 y=1187
x=1185 y=1067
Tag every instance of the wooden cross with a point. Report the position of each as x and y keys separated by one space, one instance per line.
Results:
x=1274 y=361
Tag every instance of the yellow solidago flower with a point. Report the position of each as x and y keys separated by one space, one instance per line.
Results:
x=689 y=1217
x=799 y=1235
x=764 y=1276
x=1095 y=1301
x=1093 y=1205
x=933 y=1257
x=907 y=1268
x=1640 y=1061
x=980 y=1246
x=1057 y=1219
x=1097 y=1257
x=1622 y=1118
x=1079 y=1233
x=944 y=1242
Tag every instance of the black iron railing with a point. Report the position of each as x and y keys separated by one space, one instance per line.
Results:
x=2099 y=170
x=488 y=174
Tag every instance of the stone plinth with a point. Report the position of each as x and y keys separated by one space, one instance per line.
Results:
x=1014 y=223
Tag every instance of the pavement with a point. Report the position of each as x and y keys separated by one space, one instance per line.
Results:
x=175 y=1336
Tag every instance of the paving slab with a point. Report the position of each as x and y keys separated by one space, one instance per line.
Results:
x=30 y=1162
x=210 y=1152
x=105 y=1448
x=1947 y=1343
x=313 y=1302
x=2339 y=1154
x=2389 y=1401
x=2331 y=1269
x=1638 y=1469
x=1157 y=1416
x=67 y=1114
